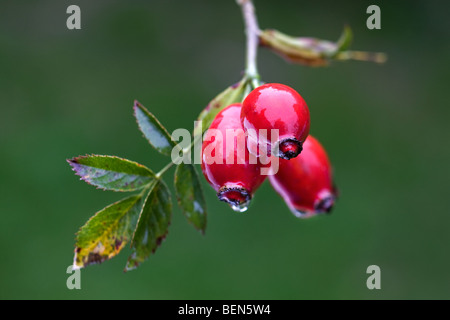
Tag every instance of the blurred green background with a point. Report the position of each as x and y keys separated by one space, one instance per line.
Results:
x=67 y=93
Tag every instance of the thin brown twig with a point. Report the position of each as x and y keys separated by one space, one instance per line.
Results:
x=252 y=32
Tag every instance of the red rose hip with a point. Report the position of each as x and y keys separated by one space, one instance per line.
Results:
x=274 y=106
x=226 y=161
x=306 y=183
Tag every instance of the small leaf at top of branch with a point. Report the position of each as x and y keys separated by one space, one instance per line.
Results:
x=345 y=39
x=153 y=130
x=315 y=52
x=112 y=173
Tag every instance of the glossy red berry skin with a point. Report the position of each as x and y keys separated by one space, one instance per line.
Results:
x=276 y=106
x=234 y=182
x=306 y=182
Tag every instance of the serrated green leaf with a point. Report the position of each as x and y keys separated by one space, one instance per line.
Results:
x=152 y=226
x=112 y=173
x=190 y=195
x=107 y=232
x=230 y=95
x=153 y=130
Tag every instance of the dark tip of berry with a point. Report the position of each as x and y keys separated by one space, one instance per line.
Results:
x=289 y=148
x=324 y=205
x=237 y=197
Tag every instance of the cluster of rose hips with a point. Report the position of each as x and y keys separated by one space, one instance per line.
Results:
x=303 y=176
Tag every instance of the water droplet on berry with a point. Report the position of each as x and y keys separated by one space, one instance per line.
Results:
x=238 y=198
x=239 y=207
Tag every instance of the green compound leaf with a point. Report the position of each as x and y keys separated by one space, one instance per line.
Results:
x=106 y=233
x=190 y=195
x=152 y=226
x=112 y=173
x=153 y=130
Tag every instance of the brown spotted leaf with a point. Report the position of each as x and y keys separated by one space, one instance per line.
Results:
x=106 y=233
